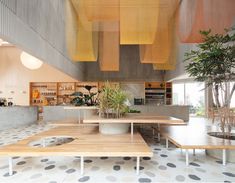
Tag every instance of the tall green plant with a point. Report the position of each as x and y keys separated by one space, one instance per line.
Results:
x=112 y=100
x=213 y=62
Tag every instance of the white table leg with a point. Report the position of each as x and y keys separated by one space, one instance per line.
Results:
x=167 y=143
x=132 y=130
x=224 y=157
x=82 y=165
x=138 y=165
x=186 y=157
x=10 y=166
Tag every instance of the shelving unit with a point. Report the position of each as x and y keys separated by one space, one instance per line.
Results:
x=43 y=94
x=80 y=87
x=57 y=93
x=64 y=91
x=168 y=88
x=158 y=93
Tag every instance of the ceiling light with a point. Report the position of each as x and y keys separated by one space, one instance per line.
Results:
x=29 y=61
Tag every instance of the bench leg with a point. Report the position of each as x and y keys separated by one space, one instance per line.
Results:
x=158 y=132
x=167 y=143
x=10 y=166
x=224 y=157
x=132 y=130
x=138 y=165
x=186 y=157
x=82 y=165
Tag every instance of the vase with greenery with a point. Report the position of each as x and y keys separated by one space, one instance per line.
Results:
x=213 y=62
x=112 y=101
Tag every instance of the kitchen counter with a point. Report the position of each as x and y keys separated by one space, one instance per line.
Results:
x=15 y=116
x=177 y=111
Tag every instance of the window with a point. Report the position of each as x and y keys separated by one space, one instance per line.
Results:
x=192 y=94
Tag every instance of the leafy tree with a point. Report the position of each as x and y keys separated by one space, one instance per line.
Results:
x=213 y=62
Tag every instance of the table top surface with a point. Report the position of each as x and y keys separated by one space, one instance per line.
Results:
x=80 y=107
x=88 y=142
x=136 y=118
x=196 y=137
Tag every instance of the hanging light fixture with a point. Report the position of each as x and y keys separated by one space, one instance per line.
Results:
x=29 y=61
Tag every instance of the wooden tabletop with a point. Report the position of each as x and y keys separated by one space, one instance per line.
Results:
x=195 y=137
x=136 y=118
x=88 y=142
x=80 y=107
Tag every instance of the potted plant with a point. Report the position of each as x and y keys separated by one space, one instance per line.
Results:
x=113 y=104
x=213 y=62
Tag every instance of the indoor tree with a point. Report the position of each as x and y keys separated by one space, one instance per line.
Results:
x=213 y=62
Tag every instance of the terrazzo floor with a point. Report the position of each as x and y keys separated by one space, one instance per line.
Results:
x=167 y=165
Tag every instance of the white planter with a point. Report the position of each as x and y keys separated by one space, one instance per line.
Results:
x=114 y=128
x=216 y=153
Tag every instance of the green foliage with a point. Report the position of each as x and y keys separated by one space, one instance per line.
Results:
x=112 y=100
x=214 y=60
x=84 y=99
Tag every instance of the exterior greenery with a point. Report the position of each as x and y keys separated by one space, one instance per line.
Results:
x=213 y=62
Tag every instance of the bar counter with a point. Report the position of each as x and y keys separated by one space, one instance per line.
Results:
x=17 y=116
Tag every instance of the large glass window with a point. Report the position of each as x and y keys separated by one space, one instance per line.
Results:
x=192 y=94
x=178 y=94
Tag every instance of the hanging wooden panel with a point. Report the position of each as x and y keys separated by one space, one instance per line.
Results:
x=71 y=20
x=102 y=10
x=87 y=39
x=138 y=21
x=196 y=15
x=160 y=50
x=109 y=48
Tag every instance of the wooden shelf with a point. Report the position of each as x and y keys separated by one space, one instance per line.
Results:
x=158 y=92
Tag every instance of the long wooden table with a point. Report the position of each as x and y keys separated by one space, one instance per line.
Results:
x=88 y=143
x=137 y=119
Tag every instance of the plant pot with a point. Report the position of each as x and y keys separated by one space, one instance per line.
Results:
x=114 y=128
x=217 y=153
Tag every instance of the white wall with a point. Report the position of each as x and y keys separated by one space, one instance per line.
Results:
x=15 y=77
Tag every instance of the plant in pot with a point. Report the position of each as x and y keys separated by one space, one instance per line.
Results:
x=213 y=62
x=113 y=104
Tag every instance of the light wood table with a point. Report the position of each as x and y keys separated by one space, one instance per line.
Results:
x=81 y=110
x=88 y=143
x=137 y=119
x=195 y=137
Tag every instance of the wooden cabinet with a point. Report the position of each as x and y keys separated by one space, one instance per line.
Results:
x=43 y=94
x=158 y=93
x=57 y=93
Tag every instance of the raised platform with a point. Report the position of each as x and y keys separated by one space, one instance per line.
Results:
x=88 y=143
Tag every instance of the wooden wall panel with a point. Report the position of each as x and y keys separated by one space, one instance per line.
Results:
x=109 y=48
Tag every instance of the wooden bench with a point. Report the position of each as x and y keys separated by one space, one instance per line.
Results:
x=195 y=137
x=88 y=143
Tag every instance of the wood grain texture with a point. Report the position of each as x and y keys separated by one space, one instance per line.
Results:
x=136 y=118
x=195 y=137
x=88 y=142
